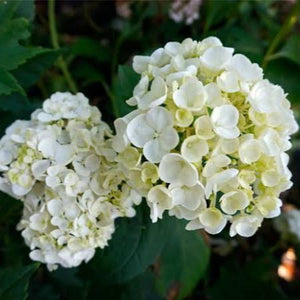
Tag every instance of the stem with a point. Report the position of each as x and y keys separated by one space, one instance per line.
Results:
x=285 y=29
x=54 y=39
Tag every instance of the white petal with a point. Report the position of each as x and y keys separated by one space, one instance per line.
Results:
x=159 y=199
x=48 y=147
x=156 y=96
x=55 y=207
x=250 y=151
x=228 y=82
x=194 y=225
x=153 y=151
x=219 y=178
x=169 y=138
x=216 y=58
x=139 y=132
x=225 y=116
x=214 y=97
x=193 y=148
x=39 y=168
x=64 y=154
x=140 y=63
x=159 y=118
x=203 y=128
x=175 y=169
x=227 y=133
x=245 y=69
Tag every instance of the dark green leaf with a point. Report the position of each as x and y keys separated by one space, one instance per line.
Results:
x=29 y=73
x=217 y=11
x=70 y=285
x=17 y=103
x=25 y=9
x=123 y=89
x=7 y=10
x=141 y=288
x=8 y=84
x=183 y=262
x=16 y=8
x=12 y=53
x=135 y=245
x=290 y=50
x=14 y=282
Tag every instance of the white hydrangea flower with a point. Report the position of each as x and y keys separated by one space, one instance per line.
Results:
x=191 y=95
x=61 y=165
x=216 y=143
x=153 y=131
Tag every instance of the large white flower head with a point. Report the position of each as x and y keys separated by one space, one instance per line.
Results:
x=208 y=137
x=61 y=165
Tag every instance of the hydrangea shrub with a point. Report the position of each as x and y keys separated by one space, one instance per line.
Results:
x=206 y=143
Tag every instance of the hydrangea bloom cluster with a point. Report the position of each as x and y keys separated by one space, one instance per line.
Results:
x=207 y=141
x=186 y=11
x=61 y=165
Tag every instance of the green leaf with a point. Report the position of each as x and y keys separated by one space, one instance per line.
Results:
x=29 y=73
x=17 y=103
x=12 y=53
x=25 y=9
x=8 y=84
x=14 y=282
x=135 y=245
x=218 y=11
x=290 y=50
x=7 y=10
x=69 y=284
x=183 y=262
x=141 y=287
x=16 y=8
x=88 y=47
x=123 y=90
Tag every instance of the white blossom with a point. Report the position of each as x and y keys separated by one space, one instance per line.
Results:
x=154 y=133
x=60 y=164
x=210 y=134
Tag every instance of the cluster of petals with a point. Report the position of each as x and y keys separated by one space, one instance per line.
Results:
x=208 y=137
x=61 y=165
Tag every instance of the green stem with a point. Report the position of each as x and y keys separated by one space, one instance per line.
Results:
x=285 y=29
x=54 y=39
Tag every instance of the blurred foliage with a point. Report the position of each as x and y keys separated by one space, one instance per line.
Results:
x=143 y=261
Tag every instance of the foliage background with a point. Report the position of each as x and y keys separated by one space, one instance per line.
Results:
x=86 y=46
